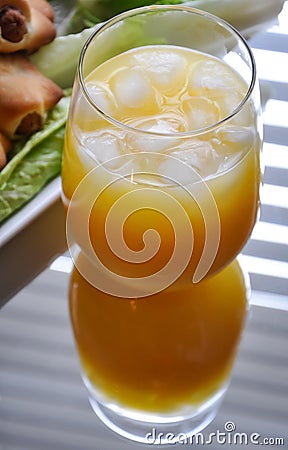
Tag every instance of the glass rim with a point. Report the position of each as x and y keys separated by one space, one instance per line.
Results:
x=100 y=28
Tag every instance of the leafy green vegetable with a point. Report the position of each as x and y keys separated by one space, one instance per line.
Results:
x=67 y=49
x=31 y=174
x=88 y=13
x=242 y=14
x=58 y=60
x=33 y=164
x=79 y=19
x=104 y=9
x=63 y=9
x=246 y=15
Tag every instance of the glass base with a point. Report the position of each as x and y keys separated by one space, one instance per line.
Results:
x=157 y=429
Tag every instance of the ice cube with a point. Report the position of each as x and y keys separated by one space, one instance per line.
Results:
x=246 y=116
x=172 y=171
x=103 y=146
x=229 y=161
x=236 y=138
x=201 y=112
x=228 y=101
x=153 y=143
x=132 y=88
x=200 y=155
x=102 y=97
x=167 y=70
x=162 y=125
x=85 y=114
x=88 y=118
x=211 y=74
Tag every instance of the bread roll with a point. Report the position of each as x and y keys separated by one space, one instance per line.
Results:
x=5 y=146
x=25 y=96
x=25 y=25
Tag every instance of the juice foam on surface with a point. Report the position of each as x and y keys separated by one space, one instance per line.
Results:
x=163 y=353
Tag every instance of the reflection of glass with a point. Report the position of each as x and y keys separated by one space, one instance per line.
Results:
x=163 y=361
x=160 y=179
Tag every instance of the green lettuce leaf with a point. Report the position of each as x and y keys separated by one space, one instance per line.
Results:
x=33 y=164
x=67 y=49
x=245 y=15
x=105 y=9
x=87 y=13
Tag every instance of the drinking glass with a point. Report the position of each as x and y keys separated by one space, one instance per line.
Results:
x=160 y=179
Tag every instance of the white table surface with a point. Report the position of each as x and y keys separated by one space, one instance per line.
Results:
x=43 y=404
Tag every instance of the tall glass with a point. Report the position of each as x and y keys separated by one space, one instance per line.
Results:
x=160 y=178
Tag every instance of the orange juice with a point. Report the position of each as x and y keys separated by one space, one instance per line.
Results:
x=161 y=353
x=163 y=162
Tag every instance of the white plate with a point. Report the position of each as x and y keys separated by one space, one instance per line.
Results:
x=21 y=219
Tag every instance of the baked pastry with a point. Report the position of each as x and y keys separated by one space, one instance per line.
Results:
x=25 y=25
x=44 y=7
x=25 y=96
x=5 y=146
